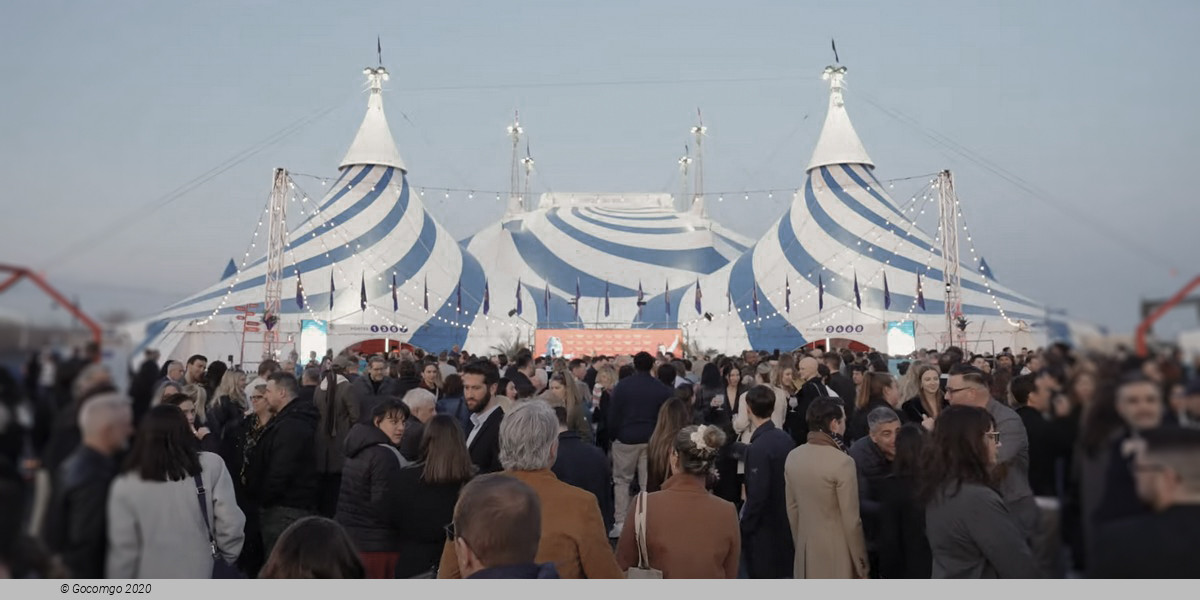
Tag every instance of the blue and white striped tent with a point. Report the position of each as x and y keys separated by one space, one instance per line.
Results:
x=369 y=229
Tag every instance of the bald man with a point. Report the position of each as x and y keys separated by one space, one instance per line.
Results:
x=76 y=524
x=807 y=371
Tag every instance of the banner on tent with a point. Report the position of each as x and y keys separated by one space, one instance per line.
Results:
x=368 y=328
x=610 y=342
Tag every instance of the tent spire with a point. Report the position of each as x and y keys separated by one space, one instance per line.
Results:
x=373 y=145
x=838 y=144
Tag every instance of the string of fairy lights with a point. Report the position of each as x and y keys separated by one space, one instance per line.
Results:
x=237 y=276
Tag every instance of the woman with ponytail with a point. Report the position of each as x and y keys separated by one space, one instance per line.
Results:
x=689 y=533
x=877 y=389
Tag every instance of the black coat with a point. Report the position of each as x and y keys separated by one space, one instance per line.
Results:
x=222 y=416
x=366 y=506
x=1120 y=499
x=584 y=466
x=872 y=466
x=1048 y=444
x=766 y=533
x=795 y=422
x=368 y=394
x=283 y=468
x=633 y=408
x=410 y=444
x=76 y=523
x=425 y=509
x=914 y=410
x=485 y=448
x=844 y=386
x=1164 y=545
x=902 y=546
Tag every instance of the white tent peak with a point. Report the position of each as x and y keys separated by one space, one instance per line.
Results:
x=373 y=145
x=838 y=144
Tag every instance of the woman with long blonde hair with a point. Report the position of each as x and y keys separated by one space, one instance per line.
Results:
x=928 y=400
x=228 y=403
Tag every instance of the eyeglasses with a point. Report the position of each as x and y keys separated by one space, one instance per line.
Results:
x=951 y=390
x=994 y=436
x=451 y=534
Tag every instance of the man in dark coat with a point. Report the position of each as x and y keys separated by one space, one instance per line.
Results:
x=632 y=413
x=795 y=423
x=1164 y=543
x=76 y=523
x=840 y=383
x=141 y=389
x=483 y=434
x=873 y=456
x=282 y=475
x=584 y=466
x=766 y=533
x=372 y=389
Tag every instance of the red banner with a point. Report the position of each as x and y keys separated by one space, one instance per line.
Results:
x=609 y=342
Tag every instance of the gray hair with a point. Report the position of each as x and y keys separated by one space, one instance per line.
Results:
x=419 y=397
x=312 y=374
x=527 y=436
x=88 y=378
x=101 y=411
x=881 y=416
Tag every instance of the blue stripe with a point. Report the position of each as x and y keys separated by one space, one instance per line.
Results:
x=843 y=287
x=625 y=215
x=697 y=260
x=629 y=228
x=776 y=332
x=870 y=189
x=735 y=245
x=868 y=214
x=559 y=272
x=362 y=174
x=339 y=252
x=850 y=241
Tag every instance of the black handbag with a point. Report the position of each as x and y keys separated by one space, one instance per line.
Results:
x=220 y=569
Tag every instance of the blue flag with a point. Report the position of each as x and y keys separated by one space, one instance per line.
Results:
x=728 y=300
x=577 y=297
x=458 y=297
x=426 y=294
x=754 y=298
x=362 y=292
x=606 y=298
x=985 y=270
x=699 y=310
x=920 y=293
x=820 y=293
x=857 y=296
x=546 y=301
x=787 y=294
x=887 y=294
x=639 y=298
x=520 y=309
x=487 y=298
x=299 y=292
x=667 y=298
x=331 y=289
x=395 y=298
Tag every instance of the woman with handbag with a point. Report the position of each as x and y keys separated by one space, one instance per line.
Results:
x=172 y=512
x=682 y=531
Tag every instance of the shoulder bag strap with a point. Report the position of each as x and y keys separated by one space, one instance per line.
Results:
x=399 y=457
x=640 y=531
x=202 y=497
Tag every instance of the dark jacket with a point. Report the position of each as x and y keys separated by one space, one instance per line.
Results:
x=844 y=386
x=485 y=448
x=1164 y=545
x=456 y=407
x=366 y=506
x=914 y=410
x=902 y=546
x=633 y=409
x=857 y=428
x=76 y=523
x=766 y=533
x=1047 y=446
x=584 y=466
x=224 y=414
x=282 y=469
x=410 y=444
x=424 y=509
x=369 y=393
x=872 y=466
x=338 y=411
x=1120 y=499
x=529 y=571
x=795 y=422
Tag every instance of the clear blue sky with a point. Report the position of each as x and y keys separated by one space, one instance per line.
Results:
x=108 y=106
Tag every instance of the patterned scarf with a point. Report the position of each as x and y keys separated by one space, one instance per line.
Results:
x=820 y=438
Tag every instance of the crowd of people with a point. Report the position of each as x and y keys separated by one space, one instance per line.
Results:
x=1043 y=463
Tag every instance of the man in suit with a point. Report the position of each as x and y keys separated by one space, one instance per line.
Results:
x=839 y=382
x=584 y=466
x=1166 y=542
x=483 y=436
x=766 y=534
x=633 y=413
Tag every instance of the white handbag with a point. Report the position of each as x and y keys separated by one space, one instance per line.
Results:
x=642 y=570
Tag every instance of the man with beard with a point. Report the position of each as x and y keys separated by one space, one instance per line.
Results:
x=483 y=435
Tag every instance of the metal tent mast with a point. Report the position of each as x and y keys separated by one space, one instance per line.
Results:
x=516 y=202
x=948 y=223
x=698 y=186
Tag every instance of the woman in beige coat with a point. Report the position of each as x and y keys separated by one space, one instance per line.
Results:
x=822 y=499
